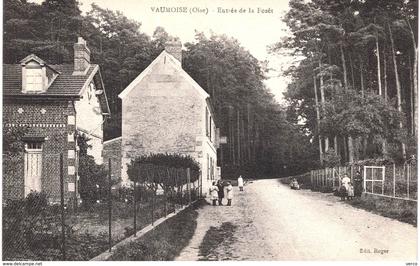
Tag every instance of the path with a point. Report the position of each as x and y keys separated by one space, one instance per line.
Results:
x=274 y=222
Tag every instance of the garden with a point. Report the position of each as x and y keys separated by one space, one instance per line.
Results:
x=33 y=228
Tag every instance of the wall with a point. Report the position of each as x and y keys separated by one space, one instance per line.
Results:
x=112 y=150
x=164 y=113
x=89 y=121
x=48 y=120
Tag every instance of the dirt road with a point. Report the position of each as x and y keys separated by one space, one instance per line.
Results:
x=269 y=221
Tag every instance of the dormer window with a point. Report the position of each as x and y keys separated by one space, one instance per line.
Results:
x=37 y=76
x=34 y=79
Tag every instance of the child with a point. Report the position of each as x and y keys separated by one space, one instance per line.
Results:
x=350 y=193
x=229 y=192
x=241 y=183
x=214 y=193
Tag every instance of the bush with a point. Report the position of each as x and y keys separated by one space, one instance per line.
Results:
x=31 y=224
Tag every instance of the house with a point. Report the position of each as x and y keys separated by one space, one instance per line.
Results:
x=54 y=103
x=165 y=111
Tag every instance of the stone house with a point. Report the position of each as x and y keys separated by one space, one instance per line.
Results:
x=165 y=111
x=54 y=103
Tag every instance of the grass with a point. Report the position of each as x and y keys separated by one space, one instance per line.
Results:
x=165 y=242
x=214 y=238
x=87 y=236
x=402 y=210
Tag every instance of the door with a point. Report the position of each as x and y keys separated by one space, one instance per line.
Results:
x=33 y=167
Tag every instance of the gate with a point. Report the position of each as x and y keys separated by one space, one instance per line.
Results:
x=374 y=179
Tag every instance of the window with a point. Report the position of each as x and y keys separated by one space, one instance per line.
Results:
x=211 y=168
x=208 y=167
x=34 y=79
x=207 y=122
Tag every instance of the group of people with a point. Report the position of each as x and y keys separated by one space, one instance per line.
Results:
x=348 y=189
x=217 y=191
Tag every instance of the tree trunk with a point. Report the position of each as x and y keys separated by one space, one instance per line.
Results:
x=321 y=88
x=352 y=73
x=239 y=136
x=397 y=83
x=384 y=146
x=385 y=79
x=411 y=98
x=378 y=60
x=362 y=83
x=351 y=149
x=335 y=145
x=350 y=140
x=415 y=77
x=248 y=133
x=343 y=61
x=317 y=121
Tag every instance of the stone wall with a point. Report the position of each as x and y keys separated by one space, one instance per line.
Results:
x=112 y=150
x=164 y=113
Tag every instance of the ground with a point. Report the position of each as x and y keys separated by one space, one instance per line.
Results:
x=269 y=221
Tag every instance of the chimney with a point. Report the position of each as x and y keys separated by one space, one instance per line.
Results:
x=81 y=57
x=174 y=47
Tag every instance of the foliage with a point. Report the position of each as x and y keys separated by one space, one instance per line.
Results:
x=30 y=224
x=331 y=159
x=93 y=181
x=163 y=169
x=163 y=243
x=345 y=89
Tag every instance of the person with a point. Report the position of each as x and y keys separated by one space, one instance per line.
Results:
x=229 y=192
x=358 y=184
x=214 y=193
x=221 y=191
x=241 y=183
x=344 y=188
x=350 y=193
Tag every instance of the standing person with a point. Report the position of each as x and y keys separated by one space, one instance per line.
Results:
x=229 y=192
x=241 y=183
x=344 y=189
x=346 y=181
x=350 y=193
x=221 y=191
x=358 y=184
x=214 y=193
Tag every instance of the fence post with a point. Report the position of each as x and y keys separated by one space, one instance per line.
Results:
x=408 y=181
x=364 y=178
x=383 y=178
x=393 y=182
x=109 y=205
x=135 y=208
x=189 y=185
x=63 y=220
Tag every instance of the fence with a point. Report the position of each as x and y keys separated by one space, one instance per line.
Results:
x=34 y=229
x=395 y=181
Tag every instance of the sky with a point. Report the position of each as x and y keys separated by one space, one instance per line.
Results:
x=255 y=31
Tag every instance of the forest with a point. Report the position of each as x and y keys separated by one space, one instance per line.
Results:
x=353 y=96
x=355 y=91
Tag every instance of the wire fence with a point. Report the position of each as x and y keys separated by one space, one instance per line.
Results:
x=391 y=180
x=72 y=229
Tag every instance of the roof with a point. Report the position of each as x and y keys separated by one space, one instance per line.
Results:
x=148 y=70
x=64 y=85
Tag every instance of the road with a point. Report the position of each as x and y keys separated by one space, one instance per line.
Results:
x=269 y=221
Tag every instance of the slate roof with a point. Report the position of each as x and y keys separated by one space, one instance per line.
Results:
x=65 y=84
